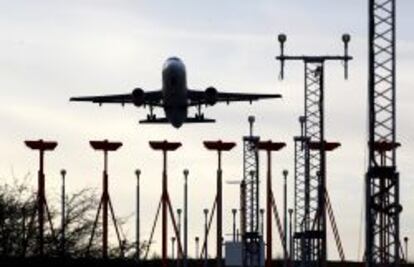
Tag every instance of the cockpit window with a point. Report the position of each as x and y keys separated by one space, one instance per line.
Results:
x=174 y=59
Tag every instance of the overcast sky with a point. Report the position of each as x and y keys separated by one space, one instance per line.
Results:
x=52 y=50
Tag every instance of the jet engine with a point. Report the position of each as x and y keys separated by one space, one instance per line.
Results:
x=211 y=96
x=138 y=97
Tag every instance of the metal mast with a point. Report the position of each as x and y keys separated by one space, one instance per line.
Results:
x=382 y=179
x=251 y=235
x=301 y=196
x=311 y=246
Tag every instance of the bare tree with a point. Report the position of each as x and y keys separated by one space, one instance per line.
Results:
x=18 y=229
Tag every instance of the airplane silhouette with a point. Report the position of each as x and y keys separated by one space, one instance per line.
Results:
x=175 y=97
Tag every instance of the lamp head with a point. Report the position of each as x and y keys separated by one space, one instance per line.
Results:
x=285 y=173
x=138 y=172
x=346 y=38
x=262 y=211
x=186 y=172
x=251 y=119
x=63 y=172
x=282 y=38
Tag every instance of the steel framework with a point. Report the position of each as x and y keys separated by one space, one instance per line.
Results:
x=301 y=198
x=251 y=238
x=382 y=179
x=310 y=169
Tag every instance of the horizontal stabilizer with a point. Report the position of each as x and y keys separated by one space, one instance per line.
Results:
x=188 y=120
x=199 y=120
x=155 y=120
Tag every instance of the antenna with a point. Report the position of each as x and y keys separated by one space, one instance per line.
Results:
x=251 y=122
x=282 y=39
x=346 y=38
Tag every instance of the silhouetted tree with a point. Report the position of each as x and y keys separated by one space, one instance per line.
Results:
x=18 y=226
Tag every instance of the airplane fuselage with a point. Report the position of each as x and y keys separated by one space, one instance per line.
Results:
x=174 y=89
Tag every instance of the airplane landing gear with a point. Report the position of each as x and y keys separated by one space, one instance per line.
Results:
x=151 y=115
x=199 y=115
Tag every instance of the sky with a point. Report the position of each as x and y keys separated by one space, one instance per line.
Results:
x=52 y=50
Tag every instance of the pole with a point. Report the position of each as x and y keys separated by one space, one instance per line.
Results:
x=166 y=146
x=105 y=208
x=186 y=172
x=63 y=215
x=137 y=233
x=269 y=146
x=164 y=211
x=285 y=173
x=40 y=205
x=322 y=174
x=179 y=221
x=197 y=248
x=269 y=210
x=105 y=146
x=406 y=249
x=206 y=236
x=41 y=146
x=262 y=221
x=219 y=146
x=219 y=211
x=179 y=233
x=291 y=256
x=234 y=212
x=172 y=247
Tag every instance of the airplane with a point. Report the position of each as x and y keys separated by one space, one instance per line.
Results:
x=174 y=97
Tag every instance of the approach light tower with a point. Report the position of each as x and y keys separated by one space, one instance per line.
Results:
x=311 y=248
x=105 y=203
x=165 y=202
x=41 y=203
x=220 y=147
x=251 y=238
x=269 y=147
x=383 y=208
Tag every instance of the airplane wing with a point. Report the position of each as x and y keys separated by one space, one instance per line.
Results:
x=137 y=97
x=211 y=96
